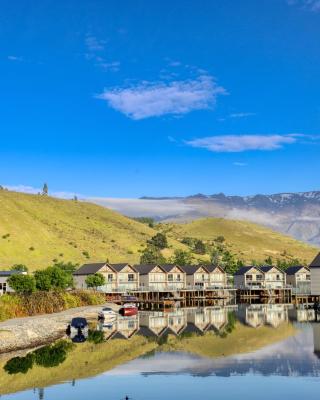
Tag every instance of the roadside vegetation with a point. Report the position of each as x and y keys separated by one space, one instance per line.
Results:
x=44 y=292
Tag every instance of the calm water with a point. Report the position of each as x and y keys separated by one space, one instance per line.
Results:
x=251 y=352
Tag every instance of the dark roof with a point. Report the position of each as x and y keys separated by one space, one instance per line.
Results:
x=316 y=262
x=267 y=268
x=88 y=269
x=293 y=270
x=191 y=269
x=119 y=267
x=211 y=268
x=9 y=273
x=145 y=269
x=168 y=267
x=243 y=270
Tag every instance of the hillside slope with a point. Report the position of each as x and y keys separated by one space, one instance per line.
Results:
x=43 y=229
x=35 y=230
x=249 y=241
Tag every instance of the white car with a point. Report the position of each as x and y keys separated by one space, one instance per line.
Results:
x=107 y=313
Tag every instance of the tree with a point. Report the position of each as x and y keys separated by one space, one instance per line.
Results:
x=199 y=247
x=152 y=255
x=268 y=261
x=22 y=284
x=66 y=266
x=19 y=364
x=45 y=190
x=95 y=280
x=53 y=278
x=181 y=257
x=159 y=240
x=19 y=267
x=220 y=239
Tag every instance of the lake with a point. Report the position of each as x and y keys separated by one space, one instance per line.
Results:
x=246 y=351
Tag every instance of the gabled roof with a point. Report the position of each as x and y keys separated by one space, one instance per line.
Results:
x=9 y=273
x=169 y=267
x=294 y=269
x=119 y=267
x=88 y=269
x=316 y=262
x=145 y=269
x=267 y=268
x=244 y=270
x=191 y=269
x=211 y=268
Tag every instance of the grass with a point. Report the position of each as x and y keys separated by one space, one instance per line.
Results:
x=35 y=230
x=38 y=230
x=247 y=240
x=91 y=360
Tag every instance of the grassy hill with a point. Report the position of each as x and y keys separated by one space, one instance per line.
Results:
x=247 y=240
x=35 y=230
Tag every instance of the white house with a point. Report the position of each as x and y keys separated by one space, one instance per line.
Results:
x=176 y=277
x=118 y=277
x=274 y=277
x=152 y=276
x=217 y=276
x=299 y=277
x=196 y=276
x=315 y=275
x=249 y=277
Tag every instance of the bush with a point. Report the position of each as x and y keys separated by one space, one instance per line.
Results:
x=159 y=241
x=19 y=365
x=53 y=278
x=52 y=355
x=22 y=284
x=95 y=280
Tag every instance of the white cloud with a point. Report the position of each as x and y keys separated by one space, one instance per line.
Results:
x=15 y=58
x=153 y=99
x=312 y=5
x=94 y=44
x=241 y=115
x=34 y=190
x=240 y=164
x=239 y=143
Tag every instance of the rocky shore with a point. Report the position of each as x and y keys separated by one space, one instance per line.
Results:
x=24 y=333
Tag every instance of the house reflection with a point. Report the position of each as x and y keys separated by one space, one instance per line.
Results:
x=256 y=315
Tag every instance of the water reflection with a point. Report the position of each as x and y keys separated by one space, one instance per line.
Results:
x=225 y=341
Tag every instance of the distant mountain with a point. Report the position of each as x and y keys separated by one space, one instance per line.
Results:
x=295 y=214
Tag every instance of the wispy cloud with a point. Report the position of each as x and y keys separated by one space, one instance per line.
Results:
x=15 y=58
x=94 y=53
x=154 y=99
x=311 y=5
x=93 y=44
x=240 y=143
x=35 y=190
x=241 y=115
x=240 y=164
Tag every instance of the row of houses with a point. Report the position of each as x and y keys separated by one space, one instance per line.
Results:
x=153 y=277
x=121 y=277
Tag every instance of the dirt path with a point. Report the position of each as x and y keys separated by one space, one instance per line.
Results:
x=22 y=333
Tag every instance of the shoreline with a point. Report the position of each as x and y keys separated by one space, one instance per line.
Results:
x=30 y=332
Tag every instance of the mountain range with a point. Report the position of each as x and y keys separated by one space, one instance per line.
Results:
x=295 y=214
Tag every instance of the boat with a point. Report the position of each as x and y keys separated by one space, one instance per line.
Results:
x=128 y=310
x=107 y=314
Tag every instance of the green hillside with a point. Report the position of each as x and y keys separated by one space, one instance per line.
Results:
x=34 y=230
x=247 y=240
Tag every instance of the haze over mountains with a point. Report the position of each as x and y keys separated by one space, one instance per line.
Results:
x=295 y=214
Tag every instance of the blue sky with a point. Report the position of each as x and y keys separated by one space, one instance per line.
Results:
x=132 y=98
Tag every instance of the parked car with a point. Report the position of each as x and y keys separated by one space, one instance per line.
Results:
x=78 y=330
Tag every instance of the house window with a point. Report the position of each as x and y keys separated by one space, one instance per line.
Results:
x=170 y=277
x=110 y=277
x=130 y=277
x=178 y=278
x=3 y=287
x=249 y=277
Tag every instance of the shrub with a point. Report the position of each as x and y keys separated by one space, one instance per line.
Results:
x=52 y=355
x=19 y=364
x=22 y=284
x=95 y=280
x=159 y=240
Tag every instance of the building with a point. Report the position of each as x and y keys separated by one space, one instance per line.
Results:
x=176 y=277
x=119 y=277
x=249 y=278
x=217 y=276
x=299 y=277
x=197 y=276
x=4 y=276
x=315 y=275
x=274 y=277
x=152 y=276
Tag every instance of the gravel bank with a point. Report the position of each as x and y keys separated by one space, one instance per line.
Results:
x=23 y=333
